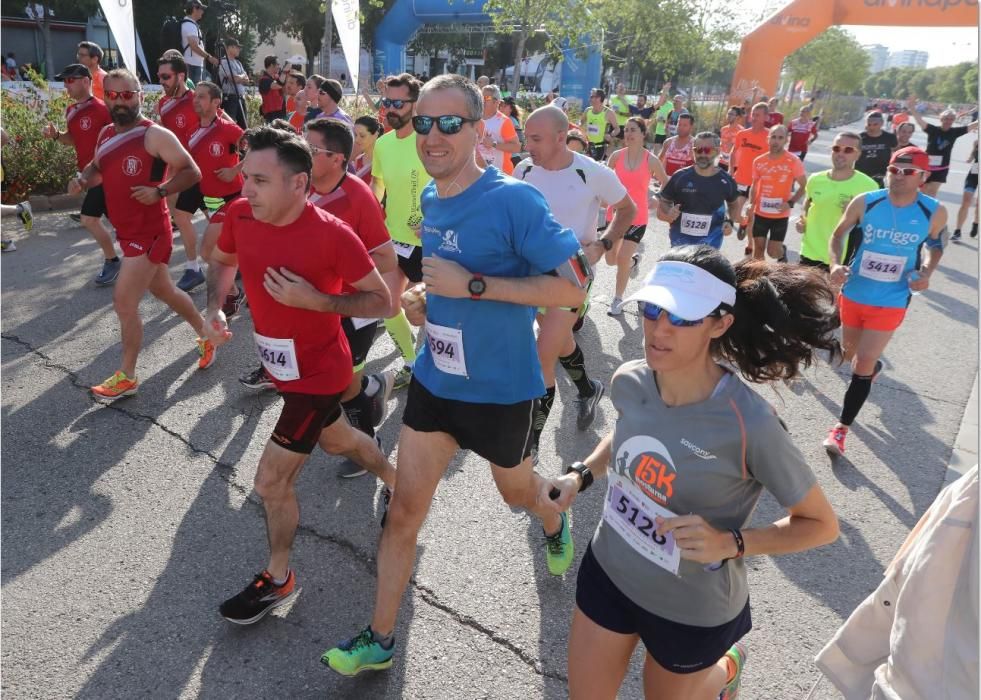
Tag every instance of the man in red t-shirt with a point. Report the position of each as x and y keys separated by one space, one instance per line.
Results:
x=295 y=259
x=349 y=199
x=773 y=117
x=773 y=196
x=803 y=132
x=176 y=110
x=271 y=86
x=85 y=118
x=132 y=157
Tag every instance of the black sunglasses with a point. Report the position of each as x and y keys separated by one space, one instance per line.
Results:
x=449 y=124
x=397 y=104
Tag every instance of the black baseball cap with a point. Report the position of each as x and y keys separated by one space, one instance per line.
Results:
x=74 y=70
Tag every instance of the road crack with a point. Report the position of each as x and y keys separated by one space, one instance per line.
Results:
x=362 y=557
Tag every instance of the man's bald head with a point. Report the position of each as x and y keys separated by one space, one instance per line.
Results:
x=549 y=117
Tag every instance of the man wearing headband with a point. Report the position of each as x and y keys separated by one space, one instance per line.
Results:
x=882 y=272
x=693 y=450
x=329 y=100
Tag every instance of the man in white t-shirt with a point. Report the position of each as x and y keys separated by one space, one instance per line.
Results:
x=575 y=186
x=500 y=139
x=192 y=41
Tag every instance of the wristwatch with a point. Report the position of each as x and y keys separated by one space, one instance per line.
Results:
x=584 y=473
x=606 y=243
x=162 y=191
x=476 y=286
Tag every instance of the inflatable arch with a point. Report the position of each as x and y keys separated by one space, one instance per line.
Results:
x=405 y=17
x=765 y=48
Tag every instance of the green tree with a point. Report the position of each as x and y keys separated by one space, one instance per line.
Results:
x=561 y=21
x=832 y=61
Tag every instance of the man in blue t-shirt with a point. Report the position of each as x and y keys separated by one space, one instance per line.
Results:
x=694 y=201
x=885 y=232
x=492 y=253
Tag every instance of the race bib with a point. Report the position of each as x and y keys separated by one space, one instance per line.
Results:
x=360 y=323
x=446 y=347
x=404 y=250
x=696 y=224
x=631 y=515
x=592 y=129
x=771 y=205
x=936 y=161
x=278 y=356
x=881 y=267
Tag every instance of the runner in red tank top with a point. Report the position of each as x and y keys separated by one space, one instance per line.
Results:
x=294 y=258
x=85 y=117
x=676 y=151
x=176 y=110
x=132 y=159
x=214 y=146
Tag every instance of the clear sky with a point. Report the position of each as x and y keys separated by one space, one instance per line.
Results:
x=946 y=46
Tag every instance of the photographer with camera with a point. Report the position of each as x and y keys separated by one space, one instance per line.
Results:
x=233 y=79
x=271 y=86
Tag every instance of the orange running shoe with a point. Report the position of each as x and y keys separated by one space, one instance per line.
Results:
x=206 y=349
x=116 y=387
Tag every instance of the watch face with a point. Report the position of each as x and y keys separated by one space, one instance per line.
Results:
x=477 y=287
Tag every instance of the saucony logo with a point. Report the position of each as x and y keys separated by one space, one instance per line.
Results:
x=697 y=450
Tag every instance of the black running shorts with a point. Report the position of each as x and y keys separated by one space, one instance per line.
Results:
x=938 y=175
x=500 y=433
x=635 y=234
x=94 y=203
x=360 y=340
x=302 y=418
x=774 y=229
x=410 y=265
x=191 y=199
x=677 y=647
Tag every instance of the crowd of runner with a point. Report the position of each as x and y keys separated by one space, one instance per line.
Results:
x=425 y=217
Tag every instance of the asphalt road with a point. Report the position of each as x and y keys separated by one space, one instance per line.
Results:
x=123 y=527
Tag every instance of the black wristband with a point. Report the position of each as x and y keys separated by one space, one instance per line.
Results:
x=584 y=473
x=740 y=544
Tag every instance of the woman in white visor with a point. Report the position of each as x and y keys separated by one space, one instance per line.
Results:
x=692 y=451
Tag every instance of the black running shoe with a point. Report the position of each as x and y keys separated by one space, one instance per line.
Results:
x=233 y=302
x=257 y=379
x=587 y=405
x=258 y=598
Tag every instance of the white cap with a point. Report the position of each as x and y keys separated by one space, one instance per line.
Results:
x=685 y=290
x=298 y=60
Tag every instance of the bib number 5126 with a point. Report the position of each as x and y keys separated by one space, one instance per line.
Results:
x=645 y=526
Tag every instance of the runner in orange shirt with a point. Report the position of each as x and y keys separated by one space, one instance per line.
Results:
x=728 y=135
x=748 y=144
x=773 y=195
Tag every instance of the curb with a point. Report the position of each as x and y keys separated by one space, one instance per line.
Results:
x=965 y=454
x=56 y=202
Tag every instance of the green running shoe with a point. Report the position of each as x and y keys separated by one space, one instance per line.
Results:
x=362 y=653
x=738 y=653
x=559 y=549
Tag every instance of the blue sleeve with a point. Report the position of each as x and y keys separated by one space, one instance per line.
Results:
x=732 y=190
x=537 y=236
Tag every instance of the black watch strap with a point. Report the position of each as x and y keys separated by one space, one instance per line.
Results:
x=584 y=473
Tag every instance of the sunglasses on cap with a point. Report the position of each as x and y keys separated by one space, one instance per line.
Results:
x=652 y=312
x=907 y=172
x=397 y=104
x=843 y=149
x=449 y=124
x=703 y=150
x=121 y=94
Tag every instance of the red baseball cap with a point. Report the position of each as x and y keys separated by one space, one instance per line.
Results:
x=911 y=155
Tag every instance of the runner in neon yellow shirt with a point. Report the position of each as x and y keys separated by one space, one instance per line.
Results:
x=828 y=194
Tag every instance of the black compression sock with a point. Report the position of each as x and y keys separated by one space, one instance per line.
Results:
x=575 y=367
x=855 y=396
x=543 y=406
x=358 y=411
